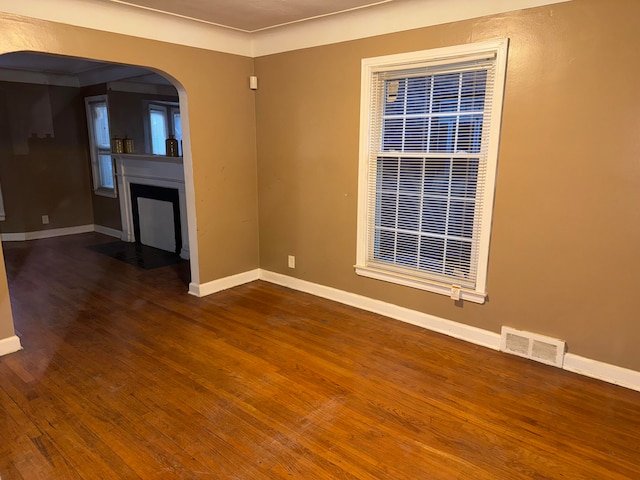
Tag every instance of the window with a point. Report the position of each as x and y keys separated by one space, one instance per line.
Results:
x=428 y=155
x=100 y=145
x=164 y=120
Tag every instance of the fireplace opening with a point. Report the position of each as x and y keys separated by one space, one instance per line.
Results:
x=156 y=216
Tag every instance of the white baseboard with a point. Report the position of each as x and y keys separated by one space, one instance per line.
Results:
x=602 y=371
x=54 y=232
x=468 y=333
x=59 y=232
x=9 y=345
x=203 y=289
x=112 y=232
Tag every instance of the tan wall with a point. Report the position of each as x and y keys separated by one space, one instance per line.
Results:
x=566 y=228
x=43 y=176
x=222 y=129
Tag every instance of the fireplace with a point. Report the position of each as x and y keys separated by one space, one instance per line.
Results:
x=152 y=201
x=149 y=235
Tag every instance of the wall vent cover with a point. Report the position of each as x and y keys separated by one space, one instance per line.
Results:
x=533 y=346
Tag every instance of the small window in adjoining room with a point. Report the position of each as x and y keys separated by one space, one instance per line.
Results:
x=164 y=120
x=429 y=135
x=100 y=145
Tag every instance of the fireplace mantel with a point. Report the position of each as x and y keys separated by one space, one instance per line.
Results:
x=156 y=170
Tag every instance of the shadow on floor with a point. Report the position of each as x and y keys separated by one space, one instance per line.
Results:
x=137 y=254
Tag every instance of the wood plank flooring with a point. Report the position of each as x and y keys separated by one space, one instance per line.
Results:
x=125 y=376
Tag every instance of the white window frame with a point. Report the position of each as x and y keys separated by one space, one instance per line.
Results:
x=168 y=109
x=435 y=57
x=96 y=151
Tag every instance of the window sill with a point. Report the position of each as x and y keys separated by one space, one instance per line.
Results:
x=407 y=281
x=106 y=192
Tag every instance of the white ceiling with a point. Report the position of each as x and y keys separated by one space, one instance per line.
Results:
x=250 y=15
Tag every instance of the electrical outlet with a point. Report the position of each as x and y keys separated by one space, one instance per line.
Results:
x=45 y=219
x=292 y=261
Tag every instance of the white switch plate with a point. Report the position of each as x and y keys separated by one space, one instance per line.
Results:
x=45 y=219
x=292 y=261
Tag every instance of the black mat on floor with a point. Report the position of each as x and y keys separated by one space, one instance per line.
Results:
x=137 y=254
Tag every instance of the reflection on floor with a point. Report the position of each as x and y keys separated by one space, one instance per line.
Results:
x=137 y=254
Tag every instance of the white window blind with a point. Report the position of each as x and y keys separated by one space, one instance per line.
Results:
x=427 y=162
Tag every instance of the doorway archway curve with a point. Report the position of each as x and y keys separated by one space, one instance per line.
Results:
x=86 y=70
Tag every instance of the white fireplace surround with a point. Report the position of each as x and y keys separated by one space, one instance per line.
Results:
x=156 y=170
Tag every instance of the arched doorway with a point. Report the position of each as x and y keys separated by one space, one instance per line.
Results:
x=49 y=189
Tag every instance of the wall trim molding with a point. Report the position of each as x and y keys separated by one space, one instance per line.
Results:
x=606 y=372
x=382 y=19
x=9 y=345
x=59 y=232
x=141 y=23
x=39 y=234
x=112 y=232
x=360 y=23
x=204 y=289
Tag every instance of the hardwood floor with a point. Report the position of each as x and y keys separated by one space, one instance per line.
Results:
x=125 y=376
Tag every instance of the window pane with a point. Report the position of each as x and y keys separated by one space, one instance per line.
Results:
x=434 y=216
x=416 y=134
x=100 y=122
x=392 y=136
x=458 y=258
x=410 y=180
x=464 y=178
x=387 y=212
x=385 y=245
x=473 y=90
x=407 y=250
x=445 y=93
x=394 y=92
x=177 y=125
x=177 y=128
x=409 y=212
x=443 y=134
x=105 y=168
x=418 y=95
x=432 y=254
x=158 y=123
x=387 y=174
x=436 y=176
x=461 y=215
x=468 y=134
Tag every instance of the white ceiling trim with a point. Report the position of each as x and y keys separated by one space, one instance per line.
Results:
x=387 y=18
x=367 y=22
x=137 y=22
